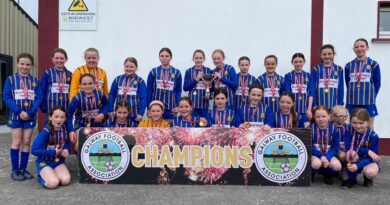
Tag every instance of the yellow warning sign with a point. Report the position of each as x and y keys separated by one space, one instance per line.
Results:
x=78 y=5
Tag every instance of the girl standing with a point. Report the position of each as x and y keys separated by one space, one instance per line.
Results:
x=241 y=96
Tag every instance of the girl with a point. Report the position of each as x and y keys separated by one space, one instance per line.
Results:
x=187 y=117
x=245 y=81
x=56 y=80
x=298 y=83
x=272 y=83
x=164 y=84
x=51 y=147
x=91 y=56
x=120 y=118
x=195 y=86
x=255 y=114
x=155 y=113
x=339 y=117
x=131 y=89
x=363 y=80
x=225 y=76
x=327 y=77
x=22 y=95
x=325 y=145
x=222 y=115
x=89 y=107
x=362 y=149
x=286 y=117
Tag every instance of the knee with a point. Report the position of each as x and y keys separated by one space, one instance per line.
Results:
x=335 y=165
x=65 y=180
x=16 y=143
x=342 y=156
x=52 y=183
x=370 y=173
x=316 y=164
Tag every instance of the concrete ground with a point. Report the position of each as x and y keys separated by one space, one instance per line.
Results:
x=30 y=192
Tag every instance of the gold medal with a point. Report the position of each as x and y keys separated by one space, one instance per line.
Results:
x=88 y=124
x=57 y=159
x=307 y=79
x=10 y=122
x=135 y=82
x=173 y=75
x=195 y=93
x=243 y=100
x=368 y=66
x=248 y=125
x=273 y=99
x=262 y=115
x=34 y=84
x=99 y=102
x=229 y=118
x=326 y=90
x=358 y=85
x=335 y=73
x=278 y=82
x=61 y=97
x=26 y=104
x=226 y=73
x=300 y=97
x=201 y=123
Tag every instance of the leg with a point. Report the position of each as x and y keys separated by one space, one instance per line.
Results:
x=316 y=163
x=27 y=133
x=335 y=164
x=63 y=174
x=342 y=156
x=14 y=151
x=371 y=170
x=26 y=152
x=50 y=178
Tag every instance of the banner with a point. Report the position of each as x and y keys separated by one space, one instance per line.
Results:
x=195 y=156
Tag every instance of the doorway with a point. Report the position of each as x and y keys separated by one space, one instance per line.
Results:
x=5 y=71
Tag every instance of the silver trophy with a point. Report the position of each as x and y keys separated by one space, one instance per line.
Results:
x=208 y=78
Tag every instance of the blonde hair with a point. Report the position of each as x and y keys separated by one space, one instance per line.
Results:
x=337 y=109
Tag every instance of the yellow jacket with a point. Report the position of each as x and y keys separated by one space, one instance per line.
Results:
x=100 y=76
x=148 y=123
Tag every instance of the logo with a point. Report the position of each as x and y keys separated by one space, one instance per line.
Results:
x=78 y=5
x=281 y=157
x=105 y=156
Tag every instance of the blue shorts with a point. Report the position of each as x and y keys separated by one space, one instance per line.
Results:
x=372 y=110
x=41 y=164
x=21 y=124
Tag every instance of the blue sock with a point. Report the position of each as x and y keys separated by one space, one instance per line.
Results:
x=24 y=160
x=41 y=181
x=14 y=155
x=352 y=175
x=332 y=172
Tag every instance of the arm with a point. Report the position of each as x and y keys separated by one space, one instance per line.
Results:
x=8 y=99
x=151 y=86
x=71 y=109
x=269 y=117
x=286 y=85
x=232 y=82
x=340 y=95
x=74 y=84
x=105 y=83
x=177 y=90
x=377 y=79
x=142 y=93
x=45 y=81
x=189 y=83
x=37 y=101
x=347 y=74
x=113 y=95
x=39 y=149
x=334 y=147
x=105 y=106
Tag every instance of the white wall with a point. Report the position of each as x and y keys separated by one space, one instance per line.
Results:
x=344 y=22
x=140 y=29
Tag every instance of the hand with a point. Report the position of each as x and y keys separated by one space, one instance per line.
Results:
x=309 y=114
x=202 y=122
x=266 y=127
x=138 y=118
x=325 y=162
x=111 y=114
x=243 y=128
x=23 y=115
x=217 y=75
x=65 y=153
x=352 y=167
x=175 y=110
x=374 y=156
x=200 y=75
x=99 y=117
x=73 y=137
x=58 y=149
x=306 y=124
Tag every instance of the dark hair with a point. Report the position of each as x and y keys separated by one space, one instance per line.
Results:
x=167 y=50
x=298 y=55
x=244 y=58
x=91 y=50
x=132 y=60
x=292 y=110
x=256 y=85
x=327 y=46
x=25 y=55
x=321 y=107
x=87 y=75
x=199 y=51
x=121 y=104
x=221 y=90
x=271 y=56
x=59 y=50
x=219 y=51
x=187 y=99
x=361 y=39
x=51 y=127
x=361 y=114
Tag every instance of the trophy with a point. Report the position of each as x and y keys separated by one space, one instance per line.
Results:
x=208 y=78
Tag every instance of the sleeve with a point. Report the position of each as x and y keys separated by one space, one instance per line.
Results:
x=71 y=109
x=189 y=84
x=334 y=147
x=105 y=83
x=44 y=81
x=239 y=118
x=377 y=79
x=340 y=94
x=269 y=117
x=105 y=106
x=112 y=96
x=151 y=86
x=281 y=90
x=347 y=140
x=74 y=84
x=143 y=124
x=37 y=101
x=8 y=99
x=310 y=86
x=287 y=83
x=313 y=79
x=38 y=147
x=142 y=93
x=67 y=143
x=347 y=74
x=178 y=85
x=232 y=82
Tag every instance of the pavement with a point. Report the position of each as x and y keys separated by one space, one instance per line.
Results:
x=30 y=192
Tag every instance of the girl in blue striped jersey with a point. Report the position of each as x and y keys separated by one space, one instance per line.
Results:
x=88 y=106
x=225 y=76
x=131 y=89
x=298 y=83
x=255 y=114
x=363 y=80
x=51 y=147
x=272 y=83
x=187 y=117
x=245 y=80
x=164 y=84
x=22 y=94
x=327 y=80
x=361 y=144
x=287 y=117
x=195 y=86
x=222 y=115
x=121 y=116
x=56 y=80
x=325 y=145
x=339 y=117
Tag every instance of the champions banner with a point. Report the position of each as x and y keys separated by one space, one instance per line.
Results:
x=195 y=156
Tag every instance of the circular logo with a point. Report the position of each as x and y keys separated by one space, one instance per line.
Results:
x=281 y=157
x=105 y=156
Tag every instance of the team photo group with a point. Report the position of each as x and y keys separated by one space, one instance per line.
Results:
x=344 y=143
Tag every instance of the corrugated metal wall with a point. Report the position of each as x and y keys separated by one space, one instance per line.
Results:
x=17 y=33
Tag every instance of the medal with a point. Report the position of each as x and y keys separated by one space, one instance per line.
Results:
x=195 y=93
x=34 y=84
x=248 y=125
x=326 y=90
x=201 y=123
x=57 y=159
x=300 y=97
x=26 y=104
x=61 y=97
x=173 y=75
x=229 y=118
x=262 y=115
x=135 y=82
x=273 y=99
x=243 y=100
x=358 y=85
x=88 y=124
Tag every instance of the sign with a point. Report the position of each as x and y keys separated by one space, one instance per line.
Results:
x=77 y=15
x=195 y=156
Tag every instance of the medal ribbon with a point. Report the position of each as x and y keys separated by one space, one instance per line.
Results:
x=327 y=76
x=93 y=102
x=23 y=85
x=289 y=123
x=253 y=114
x=299 y=82
x=352 y=156
x=358 y=76
x=126 y=86
x=271 y=82
x=243 y=85
x=219 y=121
x=323 y=145
x=165 y=77
x=221 y=71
